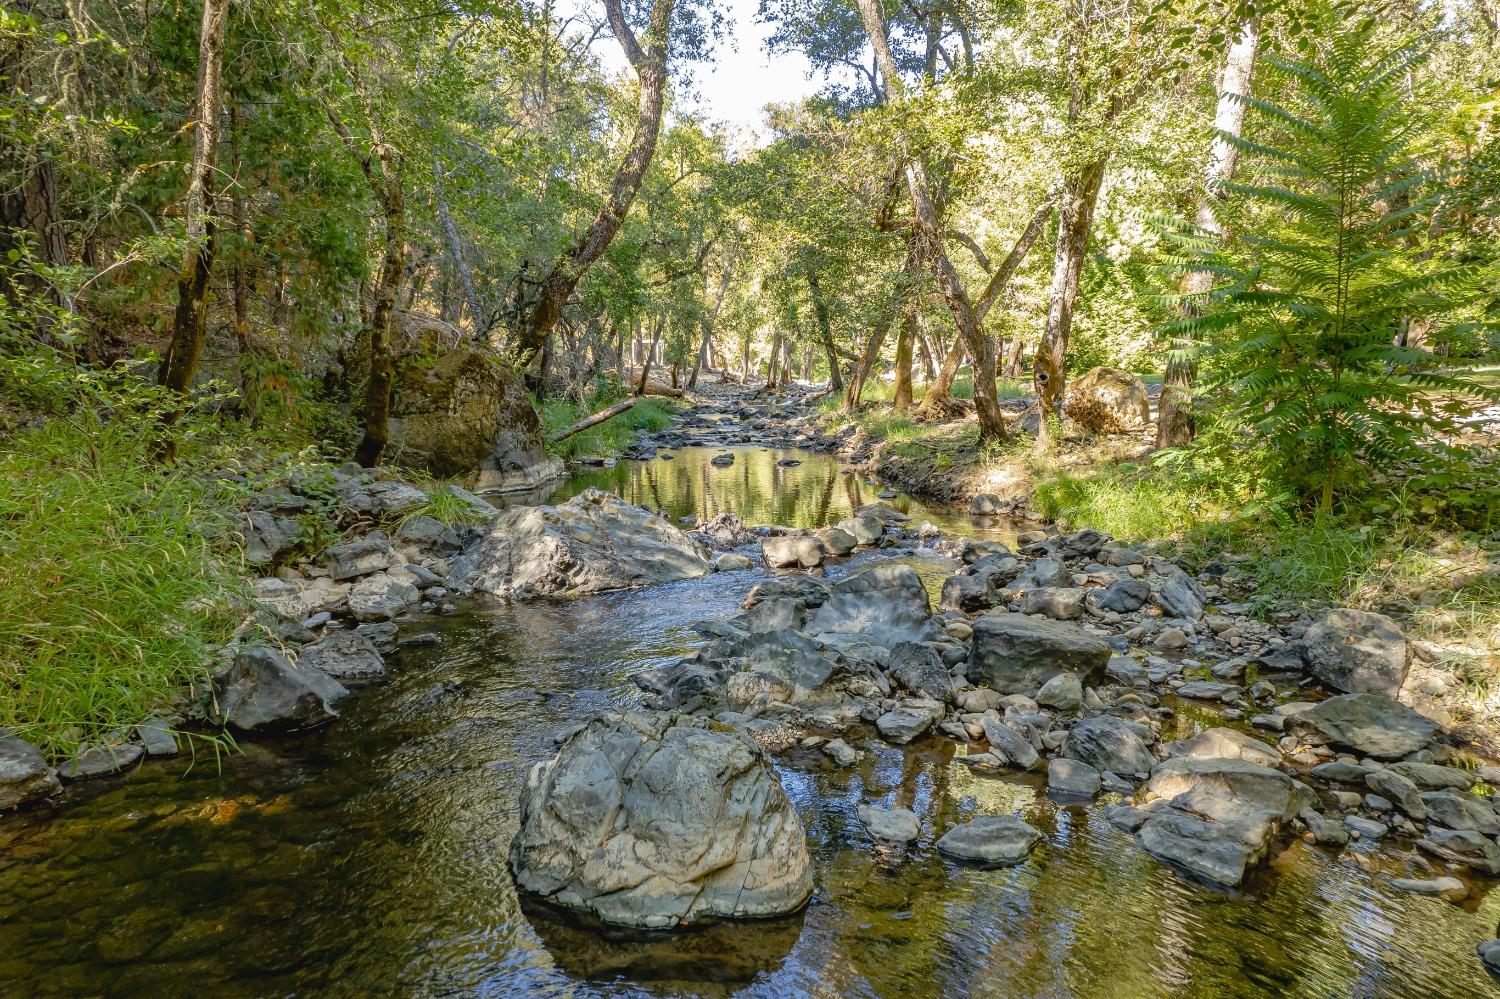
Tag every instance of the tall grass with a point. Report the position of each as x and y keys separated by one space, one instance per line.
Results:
x=116 y=587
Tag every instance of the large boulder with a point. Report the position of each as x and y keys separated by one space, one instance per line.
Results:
x=1357 y=652
x=793 y=551
x=1216 y=817
x=262 y=690
x=24 y=774
x=1017 y=654
x=1368 y=724
x=1108 y=743
x=652 y=820
x=593 y=543
x=381 y=597
x=884 y=605
x=463 y=412
x=1108 y=401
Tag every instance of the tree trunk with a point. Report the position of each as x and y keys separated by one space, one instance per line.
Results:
x=774 y=360
x=640 y=385
x=992 y=428
x=1174 y=421
x=902 y=400
x=382 y=379
x=1075 y=221
x=705 y=346
x=190 y=323
x=595 y=419
x=825 y=330
x=940 y=392
x=478 y=315
x=650 y=63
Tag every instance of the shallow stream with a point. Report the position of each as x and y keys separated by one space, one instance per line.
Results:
x=370 y=858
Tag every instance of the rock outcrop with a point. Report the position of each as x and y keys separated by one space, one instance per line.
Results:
x=654 y=820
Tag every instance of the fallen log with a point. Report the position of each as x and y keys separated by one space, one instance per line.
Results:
x=658 y=388
x=594 y=420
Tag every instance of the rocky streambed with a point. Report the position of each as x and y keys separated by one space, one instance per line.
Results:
x=962 y=759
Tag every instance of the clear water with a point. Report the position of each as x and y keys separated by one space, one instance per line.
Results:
x=370 y=858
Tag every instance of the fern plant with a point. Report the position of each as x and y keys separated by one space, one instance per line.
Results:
x=1305 y=336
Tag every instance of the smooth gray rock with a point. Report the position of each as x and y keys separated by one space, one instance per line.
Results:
x=593 y=543
x=885 y=605
x=1125 y=817
x=24 y=774
x=1367 y=828
x=1063 y=693
x=1123 y=596
x=380 y=634
x=909 y=719
x=1432 y=776
x=1325 y=831
x=1017 y=654
x=968 y=593
x=1217 y=817
x=1429 y=886
x=100 y=761
x=1463 y=846
x=732 y=562
x=1072 y=777
x=1060 y=603
x=775 y=615
x=864 y=529
x=890 y=825
x=655 y=821
x=381 y=597
x=792 y=552
x=263 y=690
x=1009 y=746
x=1343 y=773
x=1368 y=724
x=1399 y=791
x=431 y=534
x=1107 y=743
x=360 y=558
x=1209 y=690
x=1489 y=955
x=346 y=656
x=157 y=737
x=1458 y=810
x=1226 y=744
x=990 y=839
x=1357 y=652
x=836 y=541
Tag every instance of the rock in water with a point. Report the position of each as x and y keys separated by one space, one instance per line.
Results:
x=1368 y=724
x=1357 y=652
x=1107 y=743
x=792 y=552
x=24 y=774
x=1108 y=401
x=345 y=656
x=990 y=839
x=909 y=719
x=1215 y=818
x=653 y=820
x=1226 y=744
x=1016 y=654
x=885 y=605
x=890 y=825
x=263 y=690
x=592 y=543
x=1073 y=778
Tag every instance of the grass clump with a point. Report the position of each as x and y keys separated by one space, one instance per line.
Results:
x=609 y=438
x=116 y=584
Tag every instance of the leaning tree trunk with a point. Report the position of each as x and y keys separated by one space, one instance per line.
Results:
x=640 y=386
x=190 y=322
x=860 y=372
x=1174 y=420
x=478 y=314
x=705 y=346
x=1075 y=221
x=650 y=63
x=939 y=392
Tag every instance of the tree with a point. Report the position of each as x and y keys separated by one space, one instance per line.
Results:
x=190 y=324
x=1174 y=418
x=650 y=64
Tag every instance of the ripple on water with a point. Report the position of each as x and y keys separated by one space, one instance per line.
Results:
x=370 y=859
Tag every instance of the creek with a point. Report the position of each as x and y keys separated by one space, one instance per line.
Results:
x=369 y=858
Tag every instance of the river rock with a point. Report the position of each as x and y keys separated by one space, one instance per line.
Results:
x=990 y=839
x=1063 y=693
x=1463 y=846
x=725 y=531
x=792 y=552
x=360 y=557
x=890 y=825
x=1123 y=596
x=1432 y=776
x=1017 y=654
x=1397 y=790
x=1008 y=745
x=653 y=820
x=1106 y=400
x=1430 y=886
x=382 y=499
x=1061 y=603
x=1457 y=810
x=100 y=761
x=1108 y=743
x=968 y=593
x=1226 y=744
x=1180 y=596
x=347 y=656
x=732 y=562
x=884 y=605
x=1489 y=955
x=381 y=597
x=430 y=534
x=593 y=543
x=908 y=719
x=1072 y=777
x=987 y=505
x=263 y=690
x=1368 y=724
x=806 y=590
x=836 y=541
x=1217 y=817
x=24 y=774
x=919 y=669
x=1357 y=652
x=264 y=536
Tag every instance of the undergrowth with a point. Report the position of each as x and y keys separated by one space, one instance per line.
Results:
x=609 y=438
